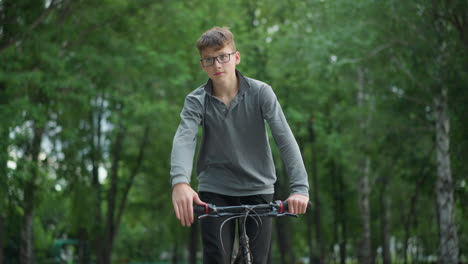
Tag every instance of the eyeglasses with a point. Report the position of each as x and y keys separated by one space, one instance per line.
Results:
x=223 y=58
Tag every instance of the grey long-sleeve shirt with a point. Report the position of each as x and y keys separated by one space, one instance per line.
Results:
x=235 y=156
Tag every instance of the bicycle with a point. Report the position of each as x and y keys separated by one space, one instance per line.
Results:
x=273 y=209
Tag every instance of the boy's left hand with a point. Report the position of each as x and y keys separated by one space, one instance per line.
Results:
x=297 y=203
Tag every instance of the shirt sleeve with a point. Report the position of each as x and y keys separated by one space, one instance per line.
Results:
x=185 y=141
x=284 y=139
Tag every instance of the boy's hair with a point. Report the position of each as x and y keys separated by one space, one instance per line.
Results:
x=216 y=38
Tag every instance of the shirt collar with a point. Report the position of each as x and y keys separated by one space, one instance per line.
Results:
x=243 y=84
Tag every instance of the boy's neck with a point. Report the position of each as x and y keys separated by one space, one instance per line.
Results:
x=227 y=88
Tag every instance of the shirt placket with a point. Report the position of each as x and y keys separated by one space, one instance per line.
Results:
x=237 y=99
x=220 y=107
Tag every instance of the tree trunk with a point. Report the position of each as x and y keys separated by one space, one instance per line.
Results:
x=175 y=253
x=309 y=222
x=387 y=258
x=29 y=191
x=27 y=247
x=283 y=227
x=8 y=31
x=116 y=209
x=448 y=238
x=309 y=216
x=342 y=214
x=339 y=210
x=412 y=214
x=4 y=129
x=2 y=222
x=310 y=243
x=336 y=212
x=83 y=250
x=411 y=218
x=95 y=156
x=134 y=173
x=3 y=171
x=111 y=199
x=284 y=240
x=365 y=245
x=385 y=219
x=3 y=190
x=317 y=204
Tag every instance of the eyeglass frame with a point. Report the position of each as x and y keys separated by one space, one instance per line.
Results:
x=216 y=58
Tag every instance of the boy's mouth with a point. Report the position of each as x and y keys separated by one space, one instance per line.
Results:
x=219 y=73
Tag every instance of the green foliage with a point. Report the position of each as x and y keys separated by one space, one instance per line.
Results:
x=83 y=69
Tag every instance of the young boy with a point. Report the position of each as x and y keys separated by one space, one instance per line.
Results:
x=235 y=164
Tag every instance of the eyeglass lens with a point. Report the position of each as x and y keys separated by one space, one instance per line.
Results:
x=223 y=58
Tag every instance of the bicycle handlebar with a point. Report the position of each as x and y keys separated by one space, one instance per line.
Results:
x=275 y=208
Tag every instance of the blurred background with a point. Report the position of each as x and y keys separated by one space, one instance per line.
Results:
x=374 y=91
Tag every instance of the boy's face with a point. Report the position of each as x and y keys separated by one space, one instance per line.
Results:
x=220 y=70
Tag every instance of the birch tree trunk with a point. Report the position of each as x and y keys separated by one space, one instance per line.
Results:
x=448 y=238
x=365 y=246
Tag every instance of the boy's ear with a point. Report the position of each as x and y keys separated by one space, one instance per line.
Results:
x=238 y=57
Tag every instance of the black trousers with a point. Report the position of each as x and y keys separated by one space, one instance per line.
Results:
x=218 y=234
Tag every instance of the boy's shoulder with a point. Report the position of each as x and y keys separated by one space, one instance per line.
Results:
x=198 y=94
x=199 y=91
x=254 y=84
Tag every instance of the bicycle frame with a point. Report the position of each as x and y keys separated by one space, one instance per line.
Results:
x=244 y=245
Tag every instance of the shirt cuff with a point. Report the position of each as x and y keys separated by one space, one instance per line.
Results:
x=179 y=179
x=304 y=191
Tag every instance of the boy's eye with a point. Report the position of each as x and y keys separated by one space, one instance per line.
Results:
x=208 y=60
x=223 y=57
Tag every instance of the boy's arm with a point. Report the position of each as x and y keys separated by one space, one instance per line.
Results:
x=185 y=141
x=288 y=148
x=183 y=150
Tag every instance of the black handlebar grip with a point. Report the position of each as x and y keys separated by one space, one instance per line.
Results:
x=200 y=209
x=285 y=206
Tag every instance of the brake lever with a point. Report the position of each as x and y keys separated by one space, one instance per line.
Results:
x=287 y=214
x=215 y=215
x=208 y=215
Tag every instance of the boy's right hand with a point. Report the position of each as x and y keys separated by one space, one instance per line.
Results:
x=183 y=197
